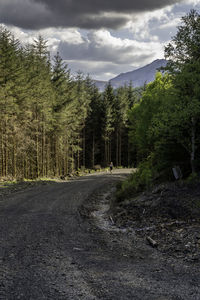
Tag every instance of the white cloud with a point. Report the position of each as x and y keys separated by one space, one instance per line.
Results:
x=70 y=35
x=98 y=52
x=106 y=55
x=23 y=36
x=53 y=37
x=173 y=22
x=101 y=46
x=194 y=2
x=140 y=25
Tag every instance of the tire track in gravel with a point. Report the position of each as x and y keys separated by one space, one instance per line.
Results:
x=50 y=250
x=40 y=229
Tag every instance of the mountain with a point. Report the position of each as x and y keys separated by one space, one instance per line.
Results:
x=138 y=77
x=100 y=84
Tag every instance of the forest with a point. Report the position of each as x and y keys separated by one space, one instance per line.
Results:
x=53 y=123
x=164 y=130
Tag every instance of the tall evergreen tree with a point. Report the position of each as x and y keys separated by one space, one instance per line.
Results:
x=93 y=127
x=108 y=102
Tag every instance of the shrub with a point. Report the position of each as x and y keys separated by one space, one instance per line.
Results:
x=192 y=178
x=138 y=181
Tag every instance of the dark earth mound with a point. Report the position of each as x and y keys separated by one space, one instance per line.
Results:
x=169 y=215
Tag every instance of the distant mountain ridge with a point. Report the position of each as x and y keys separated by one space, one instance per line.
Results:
x=100 y=84
x=138 y=77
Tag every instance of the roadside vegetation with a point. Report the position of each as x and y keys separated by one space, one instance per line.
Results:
x=55 y=125
x=164 y=125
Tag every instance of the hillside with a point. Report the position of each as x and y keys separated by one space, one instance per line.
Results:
x=138 y=77
x=100 y=84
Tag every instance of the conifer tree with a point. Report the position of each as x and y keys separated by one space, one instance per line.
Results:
x=93 y=126
x=108 y=102
x=40 y=97
x=62 y=115
x=10 y=72
x=120 y=109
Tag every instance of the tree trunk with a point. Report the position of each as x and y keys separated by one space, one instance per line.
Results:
x=117 y=147
x=43 y=149
x=120 y=148
x=109 y=151
x=6 y=152
x=128 y=155
x=37 y=155
x=56 y=157
x=105 y=149
x=84 y=146
x=14 y=159
x=2 y=153
x=78 y=154
x=93 y=149
x=67 y=157
x=192 y=156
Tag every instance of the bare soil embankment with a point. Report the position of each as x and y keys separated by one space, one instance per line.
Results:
x=169 y=215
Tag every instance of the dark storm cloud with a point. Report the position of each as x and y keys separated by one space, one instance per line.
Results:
x=91 y=51
x=89 y=14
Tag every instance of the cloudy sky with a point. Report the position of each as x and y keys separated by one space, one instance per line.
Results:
x=99 y=37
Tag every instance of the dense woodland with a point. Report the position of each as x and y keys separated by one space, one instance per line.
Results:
x=53 y=124
x=165 y=124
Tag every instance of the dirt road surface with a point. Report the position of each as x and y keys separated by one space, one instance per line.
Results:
x=52 y=246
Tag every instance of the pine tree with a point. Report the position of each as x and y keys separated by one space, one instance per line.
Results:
x=120 y=109
x=108 y=102
x=93 y=127
x=62 y=116
x=10 y=75
x=40 y=99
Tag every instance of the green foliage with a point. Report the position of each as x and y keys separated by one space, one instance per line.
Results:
x=115 y=124
x=165 y=123
x=141 y=115
x=167 y=117
x=42 y=111
x=184 y=105
x=184 y=47
x=53 y=124
x=138 y=181
x=193 y=178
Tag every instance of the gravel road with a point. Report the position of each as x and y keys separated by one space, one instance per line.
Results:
x=52 y=248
